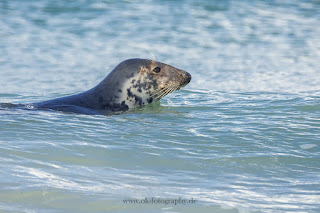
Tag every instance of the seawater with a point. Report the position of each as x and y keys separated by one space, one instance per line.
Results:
x=243 y=136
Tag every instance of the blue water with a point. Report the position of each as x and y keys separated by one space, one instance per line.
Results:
x=243 y=136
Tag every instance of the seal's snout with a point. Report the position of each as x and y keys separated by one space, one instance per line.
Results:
x=188 y=77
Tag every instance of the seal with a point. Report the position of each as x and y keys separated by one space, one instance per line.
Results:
x=132 y=83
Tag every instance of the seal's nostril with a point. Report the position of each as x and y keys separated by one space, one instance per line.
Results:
x=188 y=77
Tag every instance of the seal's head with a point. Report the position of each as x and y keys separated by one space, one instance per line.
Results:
x=137 y=82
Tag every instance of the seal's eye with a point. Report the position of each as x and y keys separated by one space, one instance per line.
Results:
x=157 y=70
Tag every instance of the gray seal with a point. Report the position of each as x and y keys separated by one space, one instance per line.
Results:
x=132 y=83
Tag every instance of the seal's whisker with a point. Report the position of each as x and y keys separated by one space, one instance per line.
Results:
x=165 y=92
x=170 y=90
x=162 y=94
x=176 y=88
x=158 y=94
x=154 y=58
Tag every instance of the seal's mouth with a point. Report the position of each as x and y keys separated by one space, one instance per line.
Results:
x=167 y=89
